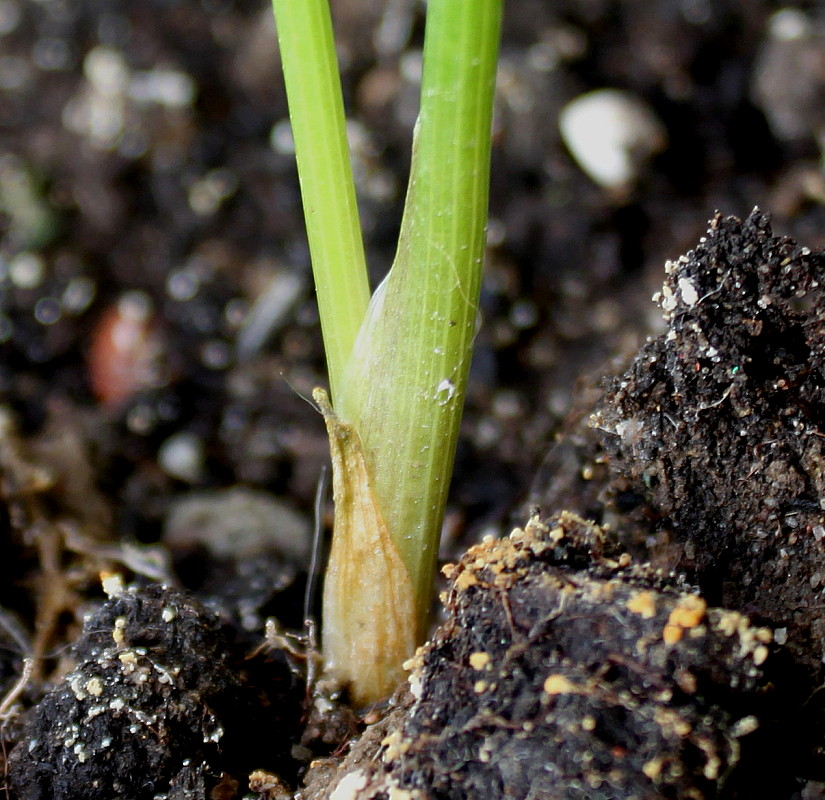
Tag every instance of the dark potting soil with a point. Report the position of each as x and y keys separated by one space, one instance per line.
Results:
x=565 y=670
x=147 y=181
x=719 y=425
x=161 y=703
x=708 y=451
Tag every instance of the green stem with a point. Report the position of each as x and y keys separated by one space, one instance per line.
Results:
x=398 y=369
x=404 y=389
x=316 y=111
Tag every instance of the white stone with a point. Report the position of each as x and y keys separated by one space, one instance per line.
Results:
x=789 y=25
x=164 y=87
x=236 y=523
x=610 y=133
x=106 y=69
x=689 y=293
x=181 y=456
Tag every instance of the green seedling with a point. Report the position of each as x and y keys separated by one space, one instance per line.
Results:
x=397 y=361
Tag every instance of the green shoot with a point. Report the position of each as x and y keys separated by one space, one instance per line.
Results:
x=399 y=395
x=316 y=112
x=405 y=387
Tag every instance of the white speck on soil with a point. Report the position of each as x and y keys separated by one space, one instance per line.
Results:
x=349 y=786
x=689 y=293
x=182 y=456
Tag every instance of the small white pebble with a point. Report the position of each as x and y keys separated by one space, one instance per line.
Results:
x=668 y=299
x=744 y=726
x=164 y=87
x=182 y=456
x=610 y=133
x=789 y=25
x=112 y=583
x=27 y=270
x=280 y=138
x=106 y=70
x=689 y=293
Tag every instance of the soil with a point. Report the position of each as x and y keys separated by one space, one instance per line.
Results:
x=158 y=338
x=561 y=672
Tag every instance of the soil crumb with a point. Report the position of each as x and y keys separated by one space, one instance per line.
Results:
x=565 y=670
x=158 y=707
x=719 y=426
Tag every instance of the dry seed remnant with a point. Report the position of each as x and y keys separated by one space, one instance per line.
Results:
x=580 y=686
x=369 y=616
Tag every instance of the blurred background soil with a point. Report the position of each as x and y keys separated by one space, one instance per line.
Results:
x=158 y=333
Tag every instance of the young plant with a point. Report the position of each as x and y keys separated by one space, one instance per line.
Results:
x=397 y=362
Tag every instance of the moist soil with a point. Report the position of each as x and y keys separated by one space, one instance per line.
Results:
x=656 y=631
